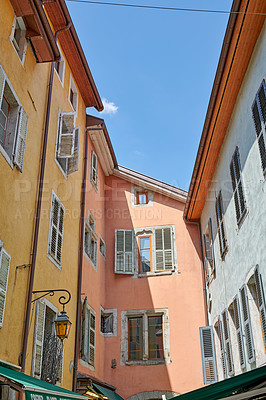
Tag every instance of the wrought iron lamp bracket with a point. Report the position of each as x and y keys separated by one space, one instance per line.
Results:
x=63 y=300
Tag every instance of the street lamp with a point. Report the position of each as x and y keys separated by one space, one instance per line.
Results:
x=62 y=323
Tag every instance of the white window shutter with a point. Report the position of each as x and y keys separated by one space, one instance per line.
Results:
x=38 y=338
x=4 y=272
x=239 y=333
x=2 y=84
x=56 y=229
x=66 y=135
x=247 y=325
x=208 y=355
x=163 y=249
x=73 y=162
x=261 y=302
x=124 y=251
x=227 y=340
x=94 y=165
x=222 y=347
x=259 y=118
x=211 y=244
x=21 y=138
x=91 y=355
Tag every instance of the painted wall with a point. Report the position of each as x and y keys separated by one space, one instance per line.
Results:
x=181 y=293
x=246 y=242
x=18 y=190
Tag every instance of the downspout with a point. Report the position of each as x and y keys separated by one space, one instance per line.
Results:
x=38 y=213
x=80 y=264
x=197 y=223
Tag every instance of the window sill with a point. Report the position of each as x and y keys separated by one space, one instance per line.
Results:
x=145 y=362
x=242 y=219
x=109 y=334
x=61 y=169
x=54 y=261
x=6 y=156
x=157 y=273
x=86 y=364
x=94 y=185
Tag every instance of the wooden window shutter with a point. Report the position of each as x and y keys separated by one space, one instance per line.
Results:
x=38 y=338
x=93 y=167
x=237 y=184
x=91 y=354
x=208 y=355
x=222 y=347
x=4 y=272
x=227 y=340
x=124 y=251
x=163 y=249
x=66 y=135
x=247 y=325
x=220 y=224
x=74 y=160
x=259 y=118
x=56 y=229
x=84 y=347
x=261 y=302
x=2 y=84
x=21 y=138
x=239 y=333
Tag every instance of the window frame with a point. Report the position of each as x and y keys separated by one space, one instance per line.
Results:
x=3 y=291
x=135 y=190
x=260 y=133
x=221 y=225
x=138 y=194
x=86 y=345
x=139 y=251
x=102 y=244
x=74 y=90
x=144 y=314
x=238 y=186
x=55 y=261
x=113 y=312
x=208 y=247
x=90 y=230
x=94 y=169
x=20 y=49
x=62 y=65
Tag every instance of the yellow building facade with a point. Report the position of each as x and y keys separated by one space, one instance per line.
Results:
x=45 y=87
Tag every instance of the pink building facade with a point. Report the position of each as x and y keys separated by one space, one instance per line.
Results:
x=142 y=284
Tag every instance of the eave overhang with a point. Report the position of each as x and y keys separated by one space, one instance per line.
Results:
x=241 y=35
x=102 y=143
x=38 y=29
x=60 y=18
x=146 y=182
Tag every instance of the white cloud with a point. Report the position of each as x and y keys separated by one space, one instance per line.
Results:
x=139 y=153
x=109 y=107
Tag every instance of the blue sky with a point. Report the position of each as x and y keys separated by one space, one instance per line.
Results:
x=155 y=69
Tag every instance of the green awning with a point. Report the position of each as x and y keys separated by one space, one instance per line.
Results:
x=35 y=389
x=227 y=387
x=108 y=393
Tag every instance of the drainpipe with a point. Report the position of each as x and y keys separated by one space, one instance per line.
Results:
x=197 y=223
x=38 y=213
x=80 y=265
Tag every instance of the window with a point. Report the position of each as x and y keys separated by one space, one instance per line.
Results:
x=88 y=334
x=142 y=197
x=227 y=342
x=60 y=68
x=208 y=252
x=93 y=169
x=221 y=359
x=259 y=118
x=247 y=324
x=73 y=94
x=109 y=322
x=220 y=224
x=102 y=247
x=13 y=124
x=237 y=336
x=47 y=359
x=91 y=241
x=208 y=355
x=55 y=242
x=145 y=264
x=67 y=144
x=4 y=272
x=18 y=37
x=153 y=252
x=145 y=337
x=237 y=184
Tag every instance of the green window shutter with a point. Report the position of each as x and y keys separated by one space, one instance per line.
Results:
x=124 y=251
x=73 y=162
x=56 y=229
x=208 y=355
x=239 y=333
x=4 y=272
x=259 y=118
x=247 y=325
x=66 y=135
x=38 y=339
x=228 y=346
x=21 y=138
x=261 y=302
x=163 y=249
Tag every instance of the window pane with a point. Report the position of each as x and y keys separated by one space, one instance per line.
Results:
x=145 y=254
x=155 y=337
x=144 y=242
x=135 y=338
